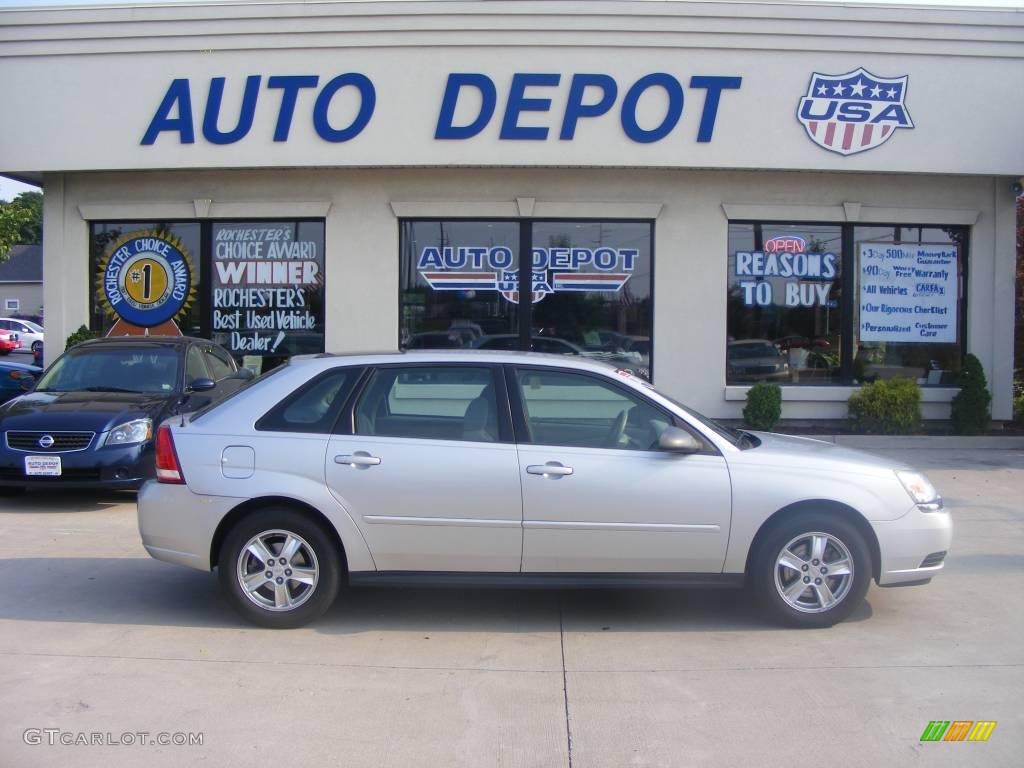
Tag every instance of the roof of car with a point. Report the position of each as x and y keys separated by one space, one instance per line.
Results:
x=145 y=340
x=462 y=356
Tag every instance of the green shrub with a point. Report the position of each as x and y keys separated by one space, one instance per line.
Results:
x=1018 y=408
x=82 y=334
x=972 y=405
x=890 y=407
x=764 y=406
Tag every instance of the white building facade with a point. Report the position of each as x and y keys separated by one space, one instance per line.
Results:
x=710 y=194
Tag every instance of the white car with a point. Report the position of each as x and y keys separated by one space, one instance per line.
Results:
x=29 y=334
x=498 y=468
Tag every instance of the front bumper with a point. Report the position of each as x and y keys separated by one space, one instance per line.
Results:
x=905 y=543
x=114 y=468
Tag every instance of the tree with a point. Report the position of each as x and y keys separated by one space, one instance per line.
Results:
x=12 y=219
x=31 y=232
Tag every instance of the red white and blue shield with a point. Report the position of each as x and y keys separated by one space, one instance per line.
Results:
x=855 y=111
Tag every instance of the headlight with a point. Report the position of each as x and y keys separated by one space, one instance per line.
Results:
x=921 y=491
x=131 y=432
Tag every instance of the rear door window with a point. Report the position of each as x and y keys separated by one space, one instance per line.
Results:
x=433 y=403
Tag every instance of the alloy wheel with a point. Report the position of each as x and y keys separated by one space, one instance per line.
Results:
x=277 y=570
x=814 y=572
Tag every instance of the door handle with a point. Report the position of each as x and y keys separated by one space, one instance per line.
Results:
x=357 y=459
x=552 y=469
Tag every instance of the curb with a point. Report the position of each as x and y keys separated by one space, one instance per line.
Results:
x=927 y=442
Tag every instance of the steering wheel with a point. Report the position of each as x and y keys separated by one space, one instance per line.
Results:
x=611 y=440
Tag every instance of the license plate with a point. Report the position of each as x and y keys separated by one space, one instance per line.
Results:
x=48 y=466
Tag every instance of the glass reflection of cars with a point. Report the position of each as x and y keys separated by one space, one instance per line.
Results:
x=755 y=360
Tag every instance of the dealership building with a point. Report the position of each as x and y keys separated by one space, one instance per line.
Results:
x=707 y=194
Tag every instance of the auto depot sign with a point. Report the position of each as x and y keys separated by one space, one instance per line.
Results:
x=590 y=97
x=486 y=106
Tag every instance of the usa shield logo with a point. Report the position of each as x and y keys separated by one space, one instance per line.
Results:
x=855 y=111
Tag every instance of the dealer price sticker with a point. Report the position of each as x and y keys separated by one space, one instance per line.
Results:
x=47 y=466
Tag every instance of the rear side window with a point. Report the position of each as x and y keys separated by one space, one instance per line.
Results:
x=432 y=403
x=314 y=407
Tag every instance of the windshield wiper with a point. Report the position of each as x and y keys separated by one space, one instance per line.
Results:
x=109 y=389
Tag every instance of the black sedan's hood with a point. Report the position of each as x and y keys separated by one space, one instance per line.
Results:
x=83 y=411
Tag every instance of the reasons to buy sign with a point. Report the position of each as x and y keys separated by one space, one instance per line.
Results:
x=267 y=287
x=908 y=293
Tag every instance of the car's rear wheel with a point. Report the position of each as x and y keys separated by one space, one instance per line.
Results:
x=811 y=570
x=279 y=569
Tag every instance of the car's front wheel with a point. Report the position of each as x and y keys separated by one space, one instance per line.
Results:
x=811 y=570
x=36 y=346
x=279 y=569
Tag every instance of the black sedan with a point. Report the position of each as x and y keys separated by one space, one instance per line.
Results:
x=90 y=420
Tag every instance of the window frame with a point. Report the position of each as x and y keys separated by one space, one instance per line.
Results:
x=506 y=433
x=8 y=305
x=849 y=285
x=525 y=270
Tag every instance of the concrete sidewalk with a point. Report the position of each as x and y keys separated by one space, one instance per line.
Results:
x=96 y=637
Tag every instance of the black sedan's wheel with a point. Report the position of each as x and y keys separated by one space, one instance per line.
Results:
x=279 y=569
x=811 y=570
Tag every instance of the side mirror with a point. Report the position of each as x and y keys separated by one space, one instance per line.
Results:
x=678 y=441
x=201 y=385
x=243 y=374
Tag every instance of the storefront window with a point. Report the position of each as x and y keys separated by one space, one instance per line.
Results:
x=255 y=287
x=784 y=297
x=590 y=288
x=458 y=283
x=910 y=294
x=844 y=304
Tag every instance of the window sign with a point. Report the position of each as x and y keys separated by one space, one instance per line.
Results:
x=492 y=268
x=908 y=293
x=801 y=278
x=267 y=287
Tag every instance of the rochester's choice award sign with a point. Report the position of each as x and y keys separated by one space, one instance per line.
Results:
x=908 y=293
x=268 y=287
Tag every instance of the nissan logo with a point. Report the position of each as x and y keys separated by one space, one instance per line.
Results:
x=46 y=441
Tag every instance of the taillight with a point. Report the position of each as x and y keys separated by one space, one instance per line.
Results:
x=168 y=470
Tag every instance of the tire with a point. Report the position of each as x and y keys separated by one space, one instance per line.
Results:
x=777 y=585
x=315 y=555
x=36 y=345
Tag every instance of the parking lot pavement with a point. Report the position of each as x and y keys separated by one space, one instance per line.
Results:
x=97 y=638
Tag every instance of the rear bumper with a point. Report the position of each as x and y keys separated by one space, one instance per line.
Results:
x=177 y=525
x=904 y=544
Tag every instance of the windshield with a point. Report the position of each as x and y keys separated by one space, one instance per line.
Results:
x=121 y=369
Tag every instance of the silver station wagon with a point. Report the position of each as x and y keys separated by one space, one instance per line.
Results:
x=498 y=468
